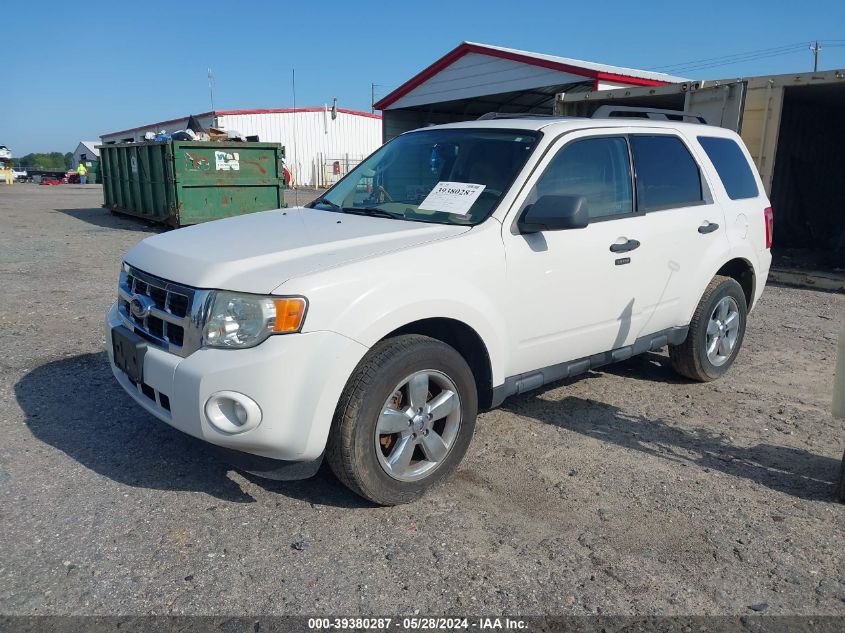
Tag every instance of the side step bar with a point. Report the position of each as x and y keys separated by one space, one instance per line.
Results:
x=531 y=380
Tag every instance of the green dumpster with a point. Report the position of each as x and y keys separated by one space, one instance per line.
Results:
x=188 y=182
x=93 y=167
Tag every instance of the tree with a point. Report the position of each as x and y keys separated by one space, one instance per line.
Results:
x=51 y=160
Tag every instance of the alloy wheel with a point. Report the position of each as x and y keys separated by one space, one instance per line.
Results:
x=418 y=425
x=722 y=331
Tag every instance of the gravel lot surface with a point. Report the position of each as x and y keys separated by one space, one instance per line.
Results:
x=626 y=491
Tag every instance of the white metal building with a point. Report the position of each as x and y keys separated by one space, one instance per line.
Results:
x=474 y=79
x=85 y=152
x=319 y=149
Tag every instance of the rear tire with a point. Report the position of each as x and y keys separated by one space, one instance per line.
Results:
x=715 y=332
x=404 y=421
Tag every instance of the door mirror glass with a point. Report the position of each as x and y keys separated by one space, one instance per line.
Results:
x=555 y=213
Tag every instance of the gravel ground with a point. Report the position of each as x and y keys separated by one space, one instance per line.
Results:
x=626 y=491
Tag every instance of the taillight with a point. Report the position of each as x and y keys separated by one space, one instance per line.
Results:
x=770 y=226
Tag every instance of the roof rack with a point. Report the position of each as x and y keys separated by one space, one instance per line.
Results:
x=633 y=112
x=518 y=115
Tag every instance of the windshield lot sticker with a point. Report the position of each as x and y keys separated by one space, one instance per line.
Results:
x=227 y=161
x=452 y=197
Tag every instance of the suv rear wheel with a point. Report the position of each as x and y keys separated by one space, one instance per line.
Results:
x=404 y=420
x=715 y=332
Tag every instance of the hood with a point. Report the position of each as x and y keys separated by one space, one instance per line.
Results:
x=260 y=251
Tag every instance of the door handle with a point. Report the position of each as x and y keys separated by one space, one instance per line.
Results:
x=624 y=247
x=708 y=228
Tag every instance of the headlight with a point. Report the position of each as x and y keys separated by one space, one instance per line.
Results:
x=240 y=320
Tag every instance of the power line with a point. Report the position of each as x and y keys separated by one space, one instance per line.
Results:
x=727 y=60
x=723 y=57
x=740 y=60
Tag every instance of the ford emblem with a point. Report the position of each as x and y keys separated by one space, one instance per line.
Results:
x=139 y=306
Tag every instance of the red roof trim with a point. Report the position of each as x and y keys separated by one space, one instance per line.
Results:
x=256 y=111
x=290 y=110
x=448 y=59
x=464 y=48
x=631 y=81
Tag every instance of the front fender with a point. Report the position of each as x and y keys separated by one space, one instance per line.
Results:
x=490 y=331
x=384 y=308
x=458 y=279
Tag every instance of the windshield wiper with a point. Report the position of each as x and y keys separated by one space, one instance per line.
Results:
x=373 y=212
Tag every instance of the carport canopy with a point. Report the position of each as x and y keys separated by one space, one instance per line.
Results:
x=474 y=79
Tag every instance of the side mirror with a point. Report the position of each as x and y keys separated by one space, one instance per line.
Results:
x=554 y=213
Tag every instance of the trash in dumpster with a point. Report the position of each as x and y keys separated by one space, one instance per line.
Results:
x=183 y=135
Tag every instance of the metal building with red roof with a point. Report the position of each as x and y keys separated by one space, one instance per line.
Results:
x=473 y=79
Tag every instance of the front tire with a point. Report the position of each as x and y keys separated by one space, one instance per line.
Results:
x=715 y=332
x=404 y=421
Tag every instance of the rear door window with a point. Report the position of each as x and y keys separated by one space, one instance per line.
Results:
x=598 y=169
x=731 y=165
x=667 y=174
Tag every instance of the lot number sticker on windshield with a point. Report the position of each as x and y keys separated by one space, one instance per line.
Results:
x=452 y=197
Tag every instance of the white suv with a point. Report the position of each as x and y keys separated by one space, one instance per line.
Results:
x=456 y=266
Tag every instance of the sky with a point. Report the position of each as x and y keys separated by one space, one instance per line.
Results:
x=77 y=71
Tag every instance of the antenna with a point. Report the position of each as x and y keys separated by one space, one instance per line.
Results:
x=211 y=88
x=295 y=163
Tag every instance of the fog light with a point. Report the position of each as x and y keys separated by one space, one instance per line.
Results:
x=232 y=412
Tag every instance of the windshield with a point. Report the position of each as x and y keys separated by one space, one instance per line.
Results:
x=448 y=176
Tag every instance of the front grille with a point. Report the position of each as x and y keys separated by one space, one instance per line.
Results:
x=175 y=312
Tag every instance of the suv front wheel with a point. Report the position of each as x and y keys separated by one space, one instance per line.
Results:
x=404 y=420
x=715 y=332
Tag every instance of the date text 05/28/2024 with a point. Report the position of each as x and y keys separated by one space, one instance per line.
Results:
x=416 y=624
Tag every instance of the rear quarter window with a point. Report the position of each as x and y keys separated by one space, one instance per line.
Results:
x=731 y=165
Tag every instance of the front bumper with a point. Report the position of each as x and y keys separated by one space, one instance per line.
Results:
x=296 y=380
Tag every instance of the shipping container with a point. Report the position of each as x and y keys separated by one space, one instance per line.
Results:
x=188 y=182
x=793 y=126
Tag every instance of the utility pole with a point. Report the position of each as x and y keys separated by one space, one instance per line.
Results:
x=372 y=97
x=815 y=49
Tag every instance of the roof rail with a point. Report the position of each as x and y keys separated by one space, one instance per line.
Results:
x=633 y=112
x=489 y=116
